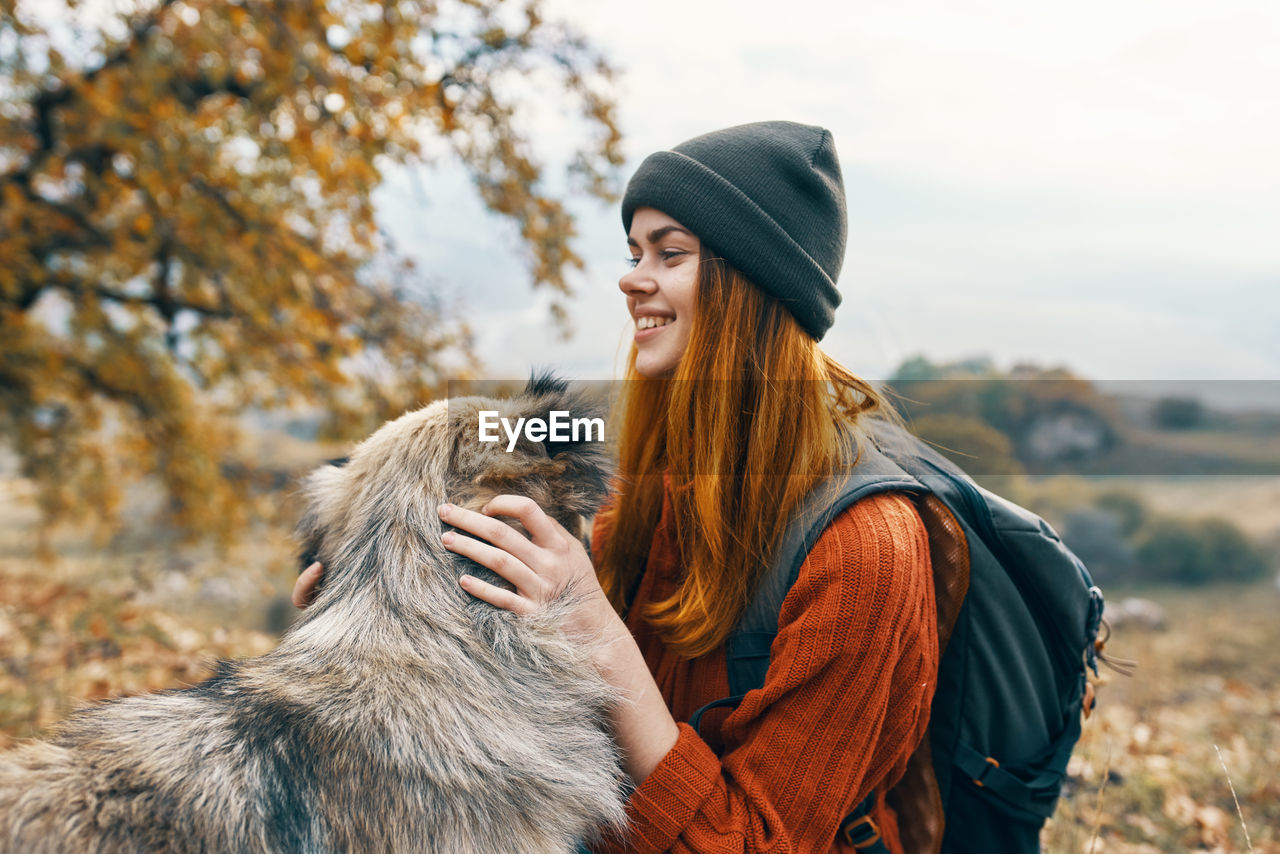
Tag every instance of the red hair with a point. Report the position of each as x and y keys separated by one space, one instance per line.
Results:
x=747 y=424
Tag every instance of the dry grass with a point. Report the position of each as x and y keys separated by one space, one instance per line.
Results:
x=148 y=613
x=1208 y=683
x=61 y=646
x=140 y=614
x=1252 y=503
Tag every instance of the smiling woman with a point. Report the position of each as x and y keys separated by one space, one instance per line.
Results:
x=731 y=415
x=665 y=259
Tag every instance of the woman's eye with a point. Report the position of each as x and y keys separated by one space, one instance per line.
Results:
x=665 y=255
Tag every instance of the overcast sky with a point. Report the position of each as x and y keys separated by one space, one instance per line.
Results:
x=1094 y=184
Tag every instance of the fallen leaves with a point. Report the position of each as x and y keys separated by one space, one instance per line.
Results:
x=1197 y=719
x=61 y=645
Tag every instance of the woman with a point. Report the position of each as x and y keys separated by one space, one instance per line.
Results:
x=732 y=414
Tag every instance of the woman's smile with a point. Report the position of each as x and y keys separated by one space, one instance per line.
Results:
x=660 y=289
x=647 y=323
x=650 y=325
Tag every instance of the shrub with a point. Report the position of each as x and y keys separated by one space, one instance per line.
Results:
x=1177 y=413
x=975 y=446
x=1235 y=557
x=1197 y=552
x=1127 y=507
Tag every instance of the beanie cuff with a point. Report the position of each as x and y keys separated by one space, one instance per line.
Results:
x=709 y=205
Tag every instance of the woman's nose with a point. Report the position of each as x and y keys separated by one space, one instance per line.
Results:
x=637 y=281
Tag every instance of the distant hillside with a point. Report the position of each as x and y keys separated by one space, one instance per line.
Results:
x=1050 y=421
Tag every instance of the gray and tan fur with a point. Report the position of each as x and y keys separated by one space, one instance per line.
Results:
x=398 y=714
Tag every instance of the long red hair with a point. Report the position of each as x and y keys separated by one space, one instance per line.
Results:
x=749 y=421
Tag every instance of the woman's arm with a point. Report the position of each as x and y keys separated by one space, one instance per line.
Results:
x=845 y=702
x=541 y=569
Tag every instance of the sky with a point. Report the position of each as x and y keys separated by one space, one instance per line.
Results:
x=1094 y=185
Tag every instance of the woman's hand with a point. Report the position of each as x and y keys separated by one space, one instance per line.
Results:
x=541 y=569
x=304 y=589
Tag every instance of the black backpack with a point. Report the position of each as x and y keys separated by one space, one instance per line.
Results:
x=1018 y=620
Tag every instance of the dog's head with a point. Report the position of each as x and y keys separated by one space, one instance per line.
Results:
x=382 y=500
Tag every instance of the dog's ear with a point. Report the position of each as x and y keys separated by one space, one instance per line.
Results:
x=583 y=448
x=322 y=488
x=543 y=394
x=546 y=393
x=545 y=384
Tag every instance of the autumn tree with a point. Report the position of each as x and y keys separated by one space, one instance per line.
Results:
x=186 y=229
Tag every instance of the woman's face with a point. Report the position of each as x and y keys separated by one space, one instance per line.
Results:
x=660 y=289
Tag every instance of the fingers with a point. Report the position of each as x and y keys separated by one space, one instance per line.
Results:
x=538 y=568
x=545 y=530
x=304 y=589
x=496 y=596
x=497 y=532
x=510 y=568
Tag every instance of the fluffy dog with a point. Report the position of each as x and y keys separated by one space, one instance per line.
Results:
x=398 y=714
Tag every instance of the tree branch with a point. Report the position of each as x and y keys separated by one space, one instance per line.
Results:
x=49 y=100
x=164 y=303
x=188 y=90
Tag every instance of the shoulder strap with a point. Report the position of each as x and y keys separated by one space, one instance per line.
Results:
x=1034 y=585
x=747 y=651
x=873 y=472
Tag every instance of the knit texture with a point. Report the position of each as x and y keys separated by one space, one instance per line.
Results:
x=768 y=198
x=845 y=701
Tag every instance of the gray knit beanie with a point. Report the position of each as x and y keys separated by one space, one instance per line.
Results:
x=768 y=198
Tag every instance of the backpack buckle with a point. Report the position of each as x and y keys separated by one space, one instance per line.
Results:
x=861 y=834
x=993 y=763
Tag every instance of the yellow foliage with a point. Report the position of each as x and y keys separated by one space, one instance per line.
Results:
x=159 y=205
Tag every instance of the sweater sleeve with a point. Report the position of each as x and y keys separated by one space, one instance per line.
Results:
x=845 y=702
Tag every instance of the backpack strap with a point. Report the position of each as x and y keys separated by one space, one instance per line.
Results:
x=1037 y=795
x=859 y=829
x=749 y=644
x=748 y=647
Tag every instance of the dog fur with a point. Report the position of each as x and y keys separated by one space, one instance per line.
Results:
x=398 y=714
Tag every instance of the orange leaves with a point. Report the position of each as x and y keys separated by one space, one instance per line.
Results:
x=212 y=154
x=61 y=645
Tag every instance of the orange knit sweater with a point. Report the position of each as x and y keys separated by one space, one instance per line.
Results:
x=844 y=704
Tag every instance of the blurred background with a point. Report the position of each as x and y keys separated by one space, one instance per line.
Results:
x=237 y=236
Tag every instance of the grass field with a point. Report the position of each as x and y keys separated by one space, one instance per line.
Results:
x=1153 y=772
x=1210 y=682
